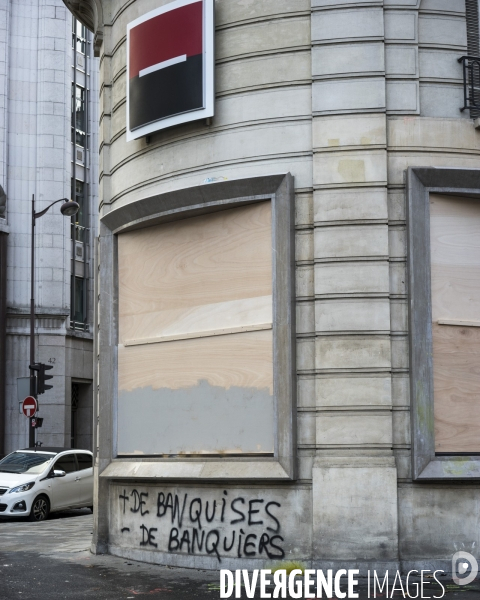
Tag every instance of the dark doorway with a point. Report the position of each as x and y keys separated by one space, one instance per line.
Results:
x=81 y=416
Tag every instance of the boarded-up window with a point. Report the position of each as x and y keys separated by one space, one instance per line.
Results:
x=455 y=268
x=195 y=355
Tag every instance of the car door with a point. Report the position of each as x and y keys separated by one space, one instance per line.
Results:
x=65 y=489
x=85 y=478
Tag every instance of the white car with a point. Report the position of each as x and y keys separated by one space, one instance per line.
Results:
x=36 y=482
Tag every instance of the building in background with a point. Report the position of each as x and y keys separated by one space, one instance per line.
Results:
x=231 y=432
x=48 y=147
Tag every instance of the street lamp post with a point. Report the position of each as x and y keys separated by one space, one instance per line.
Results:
x=68 y=209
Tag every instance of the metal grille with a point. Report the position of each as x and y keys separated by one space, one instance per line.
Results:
x=75 y=395
x=472 y=74
x=3 y=507
x=473 y=29
x=2 y=491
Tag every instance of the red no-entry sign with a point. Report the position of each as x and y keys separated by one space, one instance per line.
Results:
x=29 y=406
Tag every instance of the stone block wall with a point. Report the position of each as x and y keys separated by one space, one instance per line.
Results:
x=345 y=96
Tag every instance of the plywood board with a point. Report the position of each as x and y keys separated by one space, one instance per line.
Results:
x=455 y=277
x=203 y=273
x=208 y=395
x=456 y=369
x=241 y=360
x=455 y=258
x=199 y=321
x=195 y=359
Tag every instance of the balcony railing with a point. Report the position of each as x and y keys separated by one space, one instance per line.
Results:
x=471 y=84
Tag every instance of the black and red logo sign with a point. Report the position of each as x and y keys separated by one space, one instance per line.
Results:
x=170 y=66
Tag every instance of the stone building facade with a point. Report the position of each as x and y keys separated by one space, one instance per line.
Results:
x=39 y=121
x=350 y=113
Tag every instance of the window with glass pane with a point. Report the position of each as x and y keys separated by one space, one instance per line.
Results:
x=79 y=220
x=79 y=315
x=79 y=36
x=85 y=461
x=78 y=115
x=66 y=463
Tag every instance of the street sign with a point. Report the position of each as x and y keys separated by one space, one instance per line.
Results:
x=29 y=406
x=23 y=388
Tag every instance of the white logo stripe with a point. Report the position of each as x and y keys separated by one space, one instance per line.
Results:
x=163 y=65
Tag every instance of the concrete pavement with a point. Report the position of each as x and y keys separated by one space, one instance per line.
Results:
x=51 y=560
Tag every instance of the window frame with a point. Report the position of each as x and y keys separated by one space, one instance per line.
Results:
x=78 y=462
x=83 y=99
x=80 y=220
x=76 y=37
x=81 y=281
x=54 y=467
x=181 y=204
x=421 y=182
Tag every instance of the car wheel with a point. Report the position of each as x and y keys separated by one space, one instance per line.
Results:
x=40 y=509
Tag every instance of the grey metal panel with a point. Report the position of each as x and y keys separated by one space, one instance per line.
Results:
x=279 y=188
x=219 y=421
x=421 y=182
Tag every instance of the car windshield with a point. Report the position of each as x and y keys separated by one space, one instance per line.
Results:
x=25 y=462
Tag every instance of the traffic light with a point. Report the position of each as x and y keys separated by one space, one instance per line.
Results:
x=42 y=387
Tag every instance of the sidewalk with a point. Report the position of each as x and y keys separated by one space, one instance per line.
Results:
x=52 y=560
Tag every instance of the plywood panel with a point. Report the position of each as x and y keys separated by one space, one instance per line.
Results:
x=455 y=256
x=208 y=395
x=200 y=420
x=195 y=359
x=202 y=273
x=456 y=368
x=198 y=321
x=241 y=360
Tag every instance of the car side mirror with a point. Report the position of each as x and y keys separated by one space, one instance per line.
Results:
x=59 y=473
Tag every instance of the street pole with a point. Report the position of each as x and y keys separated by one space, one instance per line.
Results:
x=33 y=391
x=68 y=209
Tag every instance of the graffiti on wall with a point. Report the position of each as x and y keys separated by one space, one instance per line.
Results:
x=228 y=526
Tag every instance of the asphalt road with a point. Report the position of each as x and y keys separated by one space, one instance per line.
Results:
x=52 y=561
